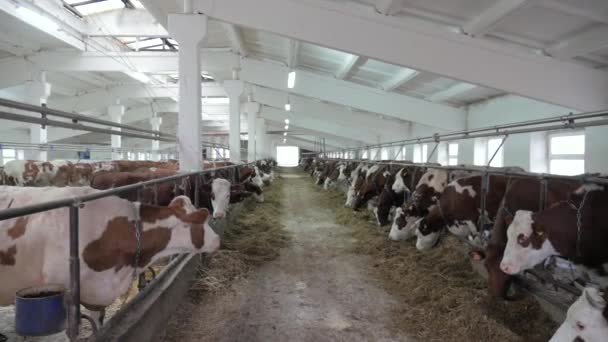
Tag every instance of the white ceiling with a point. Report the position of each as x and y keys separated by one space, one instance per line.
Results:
x=538 y=27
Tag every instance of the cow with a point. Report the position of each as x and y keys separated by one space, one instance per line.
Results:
x=587 y=318
x=328 y=170
x=33 y=248
x=574 y=229
x=357 y=178
x=56 y=173
x=429 y=188
x=395 y=192
x=459 y=209
x=375 y=178
x=218 y=190
x=521 y=193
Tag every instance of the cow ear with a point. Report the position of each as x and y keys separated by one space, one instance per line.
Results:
x=198 y=217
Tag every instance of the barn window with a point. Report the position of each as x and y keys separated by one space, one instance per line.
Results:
x=364 y=155
x=567 y=153
x=498 y=160
x=421 y=153
x=8 y=155
x=131 y=155
x=20 y=155
x=384 y=153
x=453 y=154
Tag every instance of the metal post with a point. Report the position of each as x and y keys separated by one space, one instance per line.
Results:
x=74 y=295
x=432 y=152
x=197 y=184
x=498 y=149
x=485 y=185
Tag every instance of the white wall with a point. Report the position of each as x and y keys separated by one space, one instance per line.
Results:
x=529 y=150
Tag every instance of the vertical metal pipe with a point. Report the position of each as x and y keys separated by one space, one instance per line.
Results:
x=197 y=185
x=498 y=149
x=432 y=152
x=74 y=295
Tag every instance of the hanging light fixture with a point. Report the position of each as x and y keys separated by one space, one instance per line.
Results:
x=285 y=134
x=287 y=121
x=286 y=127
x=291 y=79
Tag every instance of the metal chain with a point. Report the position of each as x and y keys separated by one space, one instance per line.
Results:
x=137 y=240
x=579 y=217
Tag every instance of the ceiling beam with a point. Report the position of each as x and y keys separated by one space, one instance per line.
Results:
x=304 y=120
x=420 y=47
x=402 y=77
x=149 y=62
x=576 y=10
x=266 y=74
x=124 y=23
x=236 y=39
x=450 y=92
x=293 y=51
x=589 y=41
x=387 y=129
x=106 y=97
x=354 y=95
x=348 y=65
x=387 y=7
x=56 y=24
x=488 y=19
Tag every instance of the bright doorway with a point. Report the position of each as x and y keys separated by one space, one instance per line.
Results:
x=288 y=156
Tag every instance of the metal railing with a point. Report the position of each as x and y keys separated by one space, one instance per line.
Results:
x=74 y=204
x=570 y=121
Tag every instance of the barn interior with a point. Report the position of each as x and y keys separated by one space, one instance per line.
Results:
x=315 y=84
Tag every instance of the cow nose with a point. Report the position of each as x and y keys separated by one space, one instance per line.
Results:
x=508 y=269
x=219 y=215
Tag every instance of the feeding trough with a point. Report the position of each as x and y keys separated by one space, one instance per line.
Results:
x=40 y=310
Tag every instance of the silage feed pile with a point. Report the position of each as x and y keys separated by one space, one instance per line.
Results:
x=444 y=298
x=253 y=237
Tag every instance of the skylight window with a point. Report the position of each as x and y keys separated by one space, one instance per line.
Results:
x=97 y=6
x=150 y=44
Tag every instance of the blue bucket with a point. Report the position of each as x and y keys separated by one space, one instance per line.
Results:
x=40 y=310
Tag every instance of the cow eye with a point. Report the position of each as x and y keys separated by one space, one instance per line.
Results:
x=523 y=240
x=580 y=326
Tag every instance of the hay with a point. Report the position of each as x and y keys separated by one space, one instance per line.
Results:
x=254 y=237
x=444 y=298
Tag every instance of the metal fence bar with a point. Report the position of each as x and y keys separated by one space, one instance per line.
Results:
x=490 y=170
x=73 y=116
x=55 y=123
x=74 y=294
x=486 y=133
x=498 y=149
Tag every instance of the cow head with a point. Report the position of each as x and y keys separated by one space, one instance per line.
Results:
x=399 y=183
x=343 y=172
x=428 y=229
x=527 y=244
x=403 y=227
x=257 y=178
x=587 y=319
x=220 y=197
x=201 y=235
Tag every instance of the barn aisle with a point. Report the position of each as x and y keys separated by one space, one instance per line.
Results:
x=315 y=291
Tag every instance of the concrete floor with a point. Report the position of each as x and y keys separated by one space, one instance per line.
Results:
x=315 y=291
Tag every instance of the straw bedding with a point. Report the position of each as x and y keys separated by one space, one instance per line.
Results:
x=444 y=298
x=254 y=237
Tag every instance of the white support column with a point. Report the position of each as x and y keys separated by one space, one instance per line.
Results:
x=155 y=123
x=116 y=112
x=189 y=30
x=252 y=109
x=261 y=138
x=37 y=93
x=234 y=89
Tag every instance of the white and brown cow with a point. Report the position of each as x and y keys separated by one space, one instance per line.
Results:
x=587 y=319
x=533 y=237
x=34 y=248
x=459 y=209
x=357 y=177
x=429 y=188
